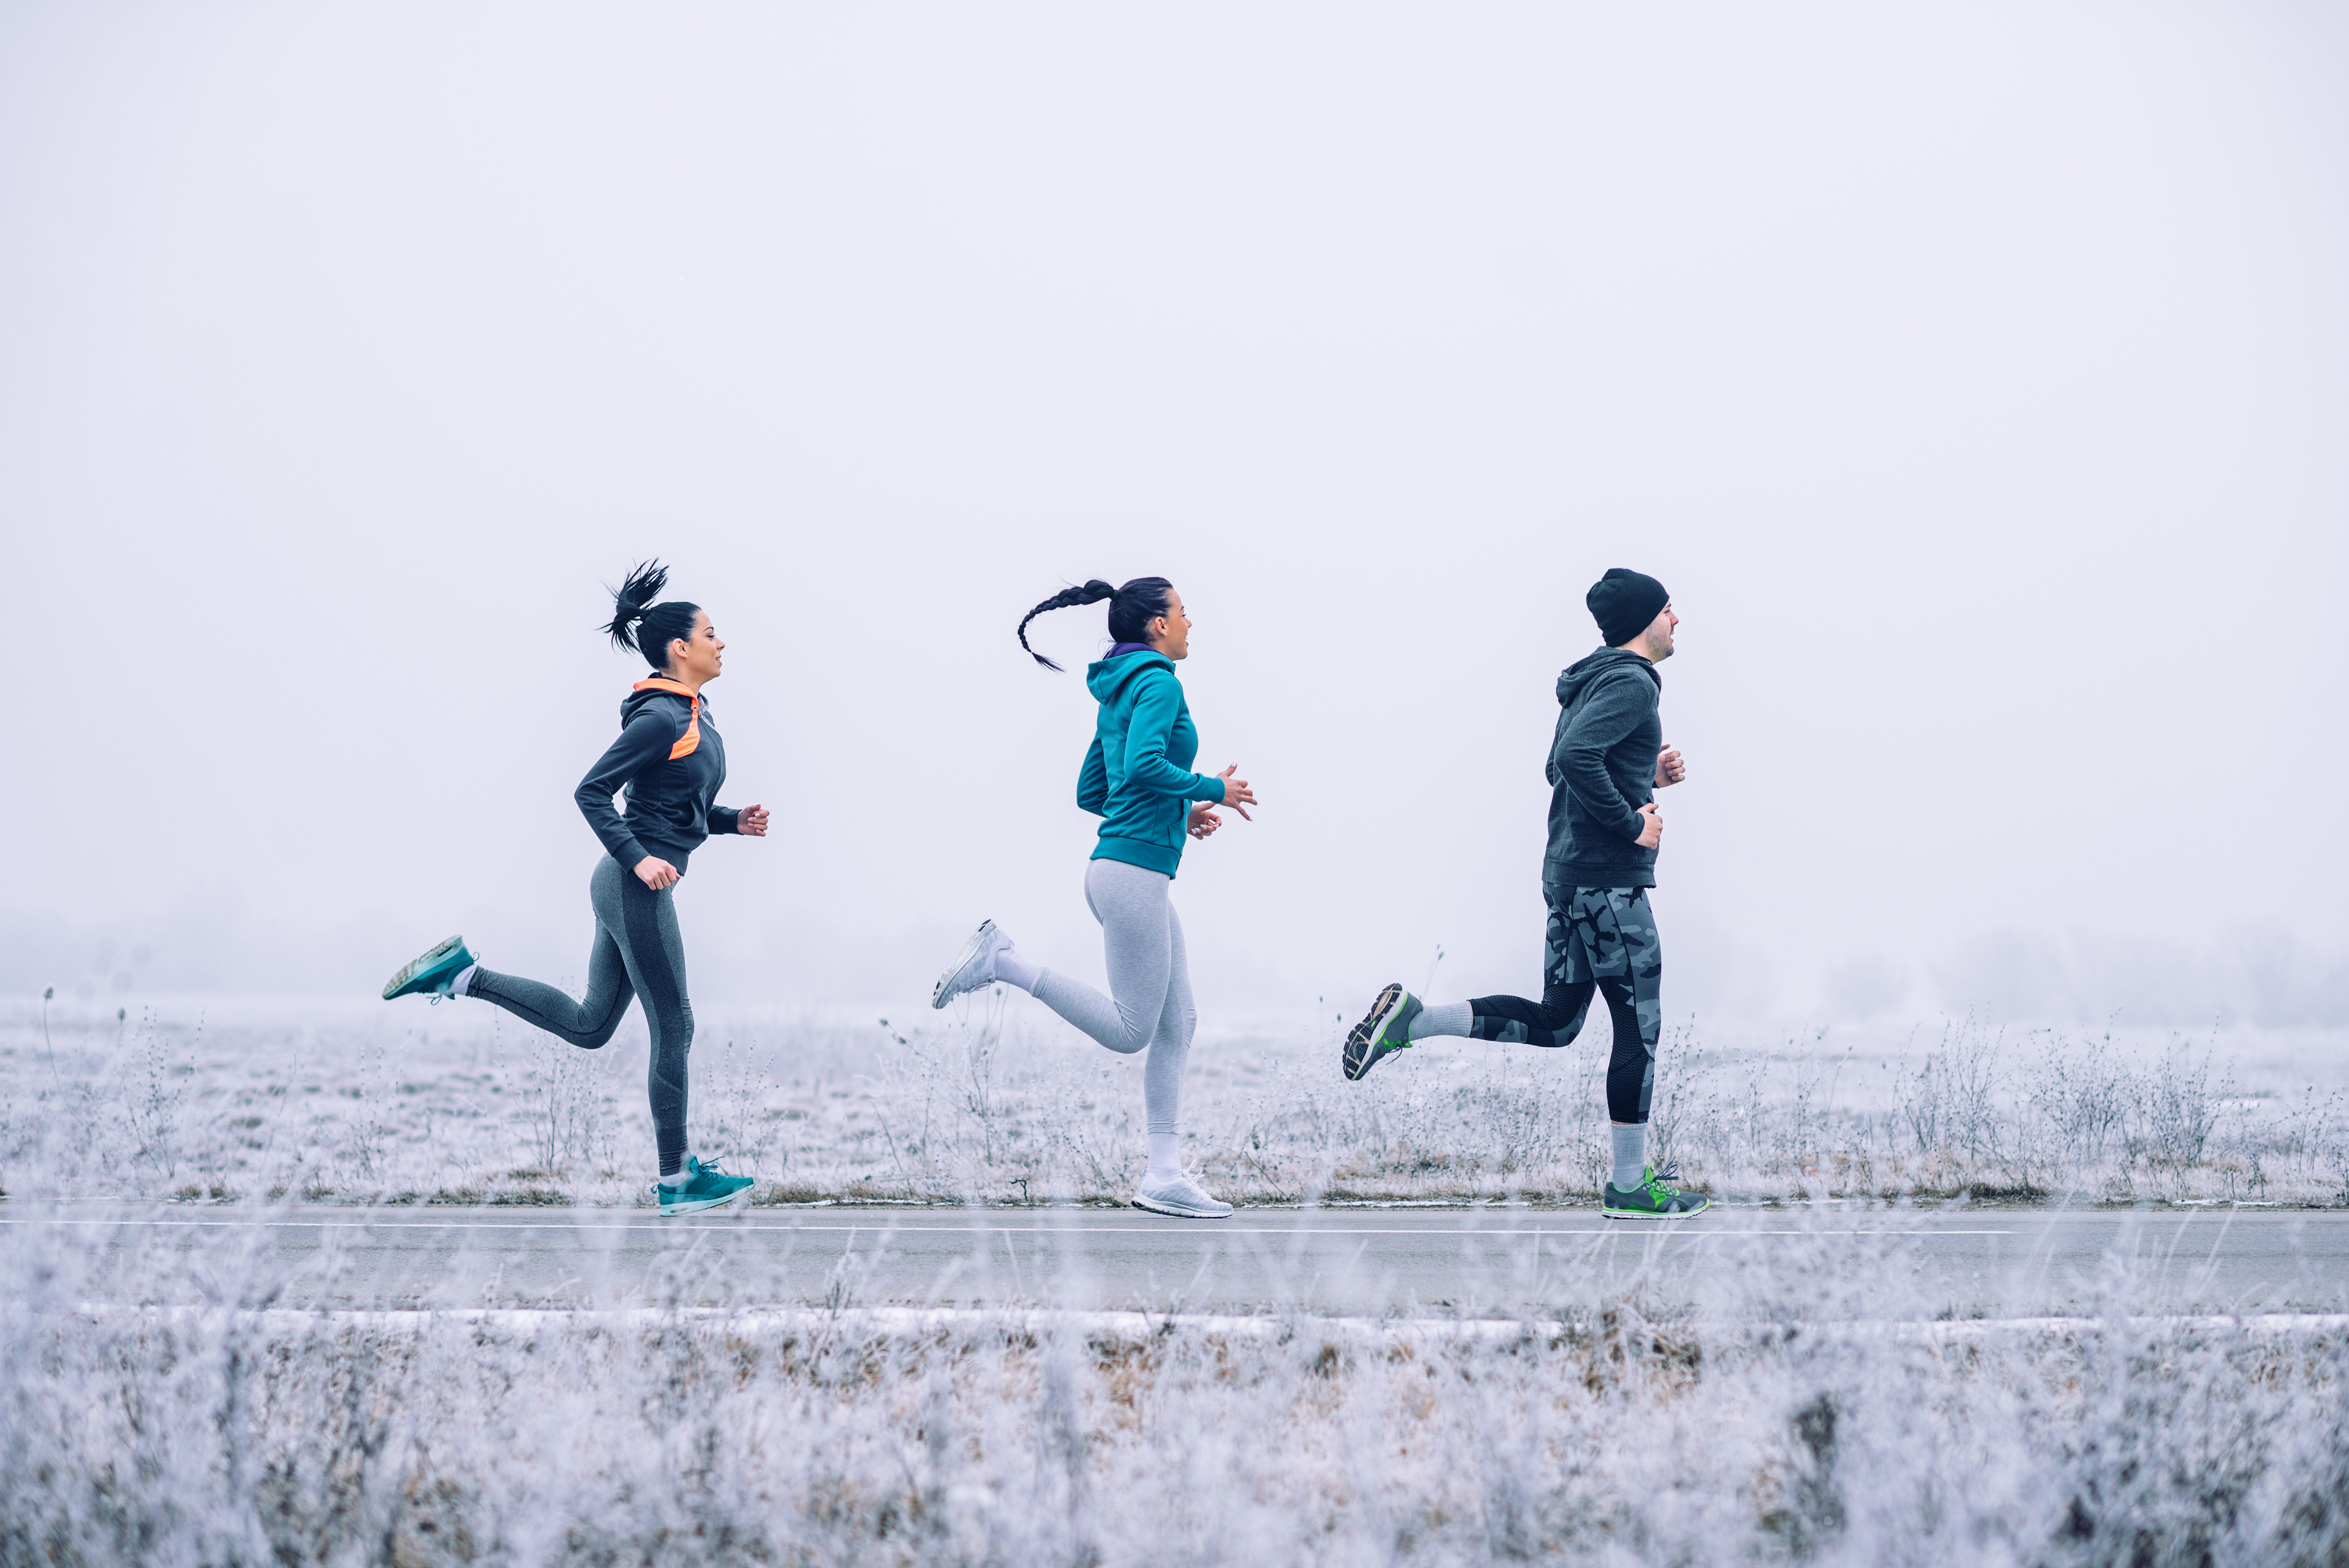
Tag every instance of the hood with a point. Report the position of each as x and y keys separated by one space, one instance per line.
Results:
x=1106 y=677
x=1579 y=677
x=634 y=703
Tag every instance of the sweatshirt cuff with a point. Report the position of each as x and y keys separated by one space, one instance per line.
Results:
x=725 y=820
x=628 y=852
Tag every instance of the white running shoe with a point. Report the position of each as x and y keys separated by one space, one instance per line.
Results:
x=973 y=967
x=1181 y=1197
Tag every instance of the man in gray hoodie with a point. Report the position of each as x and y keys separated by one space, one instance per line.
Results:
x=1607 y=760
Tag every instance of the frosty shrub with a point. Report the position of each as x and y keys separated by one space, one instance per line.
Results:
x=997 y=1102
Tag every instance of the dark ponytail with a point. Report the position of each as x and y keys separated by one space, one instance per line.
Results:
x=639 y=624
x=1131 y=609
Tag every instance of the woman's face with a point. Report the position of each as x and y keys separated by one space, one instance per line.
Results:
x=1171 y=633
x=695 y=660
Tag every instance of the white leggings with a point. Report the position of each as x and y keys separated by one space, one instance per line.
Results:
x=1148 y=977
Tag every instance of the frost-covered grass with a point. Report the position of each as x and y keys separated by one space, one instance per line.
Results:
x=164 y=1408
x=999 y=1102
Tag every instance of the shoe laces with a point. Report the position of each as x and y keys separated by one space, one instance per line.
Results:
x=978 y=975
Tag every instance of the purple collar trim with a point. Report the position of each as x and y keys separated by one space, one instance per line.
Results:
x=1126 y=648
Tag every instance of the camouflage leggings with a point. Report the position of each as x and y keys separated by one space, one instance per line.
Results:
x=1601 y=939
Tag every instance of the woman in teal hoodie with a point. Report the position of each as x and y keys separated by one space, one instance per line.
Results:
x=1137 y=779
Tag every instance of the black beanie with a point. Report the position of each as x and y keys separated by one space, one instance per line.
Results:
x=1623 y=603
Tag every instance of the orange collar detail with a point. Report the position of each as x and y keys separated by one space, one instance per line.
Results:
x=691 y=741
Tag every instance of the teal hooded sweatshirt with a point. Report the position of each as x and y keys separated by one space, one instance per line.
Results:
x=1137 y=776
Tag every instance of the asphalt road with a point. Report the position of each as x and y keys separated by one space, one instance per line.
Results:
x=1486 y=1259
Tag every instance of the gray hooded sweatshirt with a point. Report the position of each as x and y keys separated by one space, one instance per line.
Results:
x=1602 y=770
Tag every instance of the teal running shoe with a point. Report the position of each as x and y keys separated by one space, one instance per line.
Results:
x=1654 y=1199
x=705 y=1187
x=432 y=973
x=1384 y=1029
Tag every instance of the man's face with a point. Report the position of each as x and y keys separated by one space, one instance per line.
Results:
x=1656 y=641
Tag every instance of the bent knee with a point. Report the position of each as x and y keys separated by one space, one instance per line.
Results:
x=596 y=1038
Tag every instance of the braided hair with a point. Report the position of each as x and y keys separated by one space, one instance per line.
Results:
x=1131 y=609
x=639 y=624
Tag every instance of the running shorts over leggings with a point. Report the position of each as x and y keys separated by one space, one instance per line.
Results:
x=1601 y=939
x=1149 y=1005
x=637 y=953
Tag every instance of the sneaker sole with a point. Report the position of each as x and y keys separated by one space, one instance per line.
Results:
x=697 y=1204
x=1357 y=1041
x=1654 y=1215
x=406 y=973
x=985 y=933
x=1174 y=1213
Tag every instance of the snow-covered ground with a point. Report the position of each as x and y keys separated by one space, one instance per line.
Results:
x=162 y=1403
x=1804 y=1420
x=996 y=1101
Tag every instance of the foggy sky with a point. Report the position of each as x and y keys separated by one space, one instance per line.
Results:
x=1975 y=376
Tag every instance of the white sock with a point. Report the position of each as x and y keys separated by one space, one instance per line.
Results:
x=1443 y=1018
x=462 y=986
x=1014 y=970
x=1165 y=1156
x=1630 y=1155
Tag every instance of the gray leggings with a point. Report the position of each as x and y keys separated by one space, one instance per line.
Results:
x=637 y=953
x=1148 y=977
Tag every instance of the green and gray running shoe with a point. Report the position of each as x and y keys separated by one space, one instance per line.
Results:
x=431 y=974
x=1385 y=1029
x=1654 y=1199
x=705 y=1187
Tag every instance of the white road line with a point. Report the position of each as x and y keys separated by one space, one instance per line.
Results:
x=900 y=1321
x=1201 y=1229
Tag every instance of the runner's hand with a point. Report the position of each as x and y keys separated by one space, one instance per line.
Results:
x=1236 y=793
x=751 y=821
x=1203 y=821
x=655 y=872
x=1651 y=832
x=1670 y=768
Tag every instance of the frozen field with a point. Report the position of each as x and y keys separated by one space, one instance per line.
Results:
x=174 y=1401
x=1000 y=1103
x=167 y=1407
